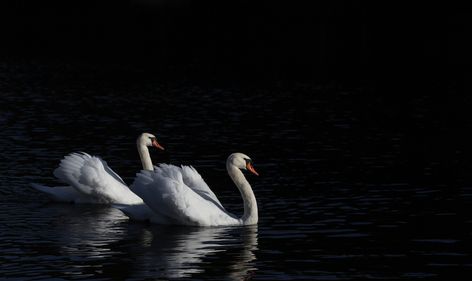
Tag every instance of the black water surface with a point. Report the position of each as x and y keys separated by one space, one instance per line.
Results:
x=353 y=184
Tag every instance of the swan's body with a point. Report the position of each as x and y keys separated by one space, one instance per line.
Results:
x=181 y=196
x=92 y=181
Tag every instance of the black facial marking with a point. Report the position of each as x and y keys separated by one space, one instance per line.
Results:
x=248 y=161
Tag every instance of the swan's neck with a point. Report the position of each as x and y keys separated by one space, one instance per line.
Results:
x=250 y=215
x=145 y=157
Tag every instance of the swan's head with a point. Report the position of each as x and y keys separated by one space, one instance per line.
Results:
x=242 y=161
x=148 y=139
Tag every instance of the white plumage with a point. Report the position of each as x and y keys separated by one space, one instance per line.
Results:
x=167 y=194
x=181 y=196
x=91 y=180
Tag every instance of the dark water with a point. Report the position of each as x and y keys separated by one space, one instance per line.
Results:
x=353 y=184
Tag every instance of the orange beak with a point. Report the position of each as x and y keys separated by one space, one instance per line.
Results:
x=156 y=144
x=251 y=169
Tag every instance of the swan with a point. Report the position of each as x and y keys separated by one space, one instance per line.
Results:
x=180 y=195
x=90 y=180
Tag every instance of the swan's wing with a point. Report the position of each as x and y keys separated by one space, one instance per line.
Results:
x=193 y=180
x=92 y=176
x=64 y=194
x=165 y=192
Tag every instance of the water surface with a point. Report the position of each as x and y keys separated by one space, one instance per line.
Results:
x=348 y=188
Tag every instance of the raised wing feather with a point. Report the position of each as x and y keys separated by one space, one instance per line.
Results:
x=92 y=176
x=195 y=181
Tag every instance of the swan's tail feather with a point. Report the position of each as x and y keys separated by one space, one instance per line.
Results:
x=139 y=212
x=66 y=194
x=58 y=193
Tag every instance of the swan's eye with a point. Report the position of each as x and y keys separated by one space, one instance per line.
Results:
x=248 y=161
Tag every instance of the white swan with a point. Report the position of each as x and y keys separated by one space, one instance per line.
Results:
x=182 y=196
x=92 y=181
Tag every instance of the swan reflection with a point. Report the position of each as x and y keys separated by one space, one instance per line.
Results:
x=85 y=231
x=178 y=252
x=101 y=240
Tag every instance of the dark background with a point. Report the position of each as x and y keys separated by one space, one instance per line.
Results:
x=407 y=64
x=251 y=40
